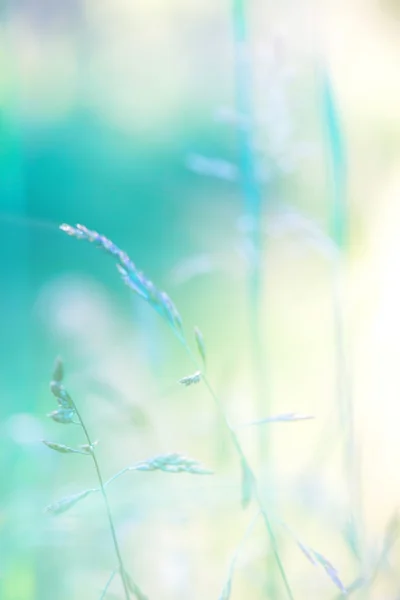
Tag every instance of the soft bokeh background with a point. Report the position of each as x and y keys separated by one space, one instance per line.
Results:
x=122 y=116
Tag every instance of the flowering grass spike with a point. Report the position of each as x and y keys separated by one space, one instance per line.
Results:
x=172 y=463
x=131 y=276
x=191 y=379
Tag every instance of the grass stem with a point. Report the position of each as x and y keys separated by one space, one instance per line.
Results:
x=107 y=506
x=240 y=452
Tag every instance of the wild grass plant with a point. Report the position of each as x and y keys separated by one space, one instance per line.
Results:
x=68 y=413
x=277 y=582
x=294 y=365
x=251 y=174
x=251 y=493
x=284 y=219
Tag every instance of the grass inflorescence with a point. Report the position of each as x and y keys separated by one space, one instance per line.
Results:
x=68 y=413
x=161 y=302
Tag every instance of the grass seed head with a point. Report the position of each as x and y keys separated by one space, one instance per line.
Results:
x=247 y=485
x=62 y=448
x=172 y=463
x=200 y=344
x=191 y=379
x=130 y=275
x=66 y=503
x=62 y=415
x=58 y=370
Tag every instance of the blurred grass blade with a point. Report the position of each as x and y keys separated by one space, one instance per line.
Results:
x=172 y=463
x=357 y=585
x=66 y=503
x=200 y=344
x=191 y=379
x=62 y=448
x=247 y=485
x=307 y=552
x=392 y=533
x=330 y=571
x=339 y=230
x=227 y=589
x=390 y=538
x=316 y=558
x=109 y=582
x=351 y=535
x=284 y=418
x=335 y=145
x=134 y=588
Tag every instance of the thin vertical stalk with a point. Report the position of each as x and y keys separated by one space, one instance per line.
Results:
x=250 y=186
x=344 y=393
x=240 y=452
x=107 y=505
x=253 y=202
x=108 y=583
x=252 y=196
x=339 y=222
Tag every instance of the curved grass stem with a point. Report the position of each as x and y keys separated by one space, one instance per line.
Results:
x=102 y=490
x=240 y=452
x=109 y=582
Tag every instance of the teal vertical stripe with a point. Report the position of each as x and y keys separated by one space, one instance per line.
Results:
x=14 y=273
x=253 y=206
x=244 y=105
x=337 y=162
x=340 y=233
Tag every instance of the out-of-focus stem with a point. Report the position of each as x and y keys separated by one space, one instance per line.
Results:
x=107 y=506
x=252 y=197
x=240 y=452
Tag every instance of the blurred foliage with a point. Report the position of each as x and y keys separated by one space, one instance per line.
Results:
x=122 y=117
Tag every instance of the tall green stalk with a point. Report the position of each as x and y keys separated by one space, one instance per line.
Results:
x=103 y=492
x=339 y=225
x=253 y=205
x=66 y=414
x=250 y=473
